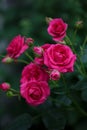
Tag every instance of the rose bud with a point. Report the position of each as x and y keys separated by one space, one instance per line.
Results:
x=48 y=19
x=29 y=41
x=5 y=86
x=38 y=50
x=39 y=60
x=7 y=60
x=79 y=24
x=54 y=75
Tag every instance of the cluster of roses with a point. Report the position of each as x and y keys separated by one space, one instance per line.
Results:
x=50 y=61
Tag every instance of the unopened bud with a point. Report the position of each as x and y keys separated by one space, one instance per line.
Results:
x=48 y=19
x=10 y=94
x=62 y=42
x=5 y=86
x=29 y=41
x=38 y=50
x=79 y=24
x=55 y=75
x=39 y=61
x=7 y=60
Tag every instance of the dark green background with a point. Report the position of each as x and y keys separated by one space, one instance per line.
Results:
x=27 y=17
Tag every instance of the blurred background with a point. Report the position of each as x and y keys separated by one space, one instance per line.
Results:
x=28 y=18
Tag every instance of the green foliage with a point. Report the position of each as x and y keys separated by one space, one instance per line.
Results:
x=54 y=120
x=28 y=18
x=25 y=121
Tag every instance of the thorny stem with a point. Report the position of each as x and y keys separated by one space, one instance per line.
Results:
x=56 y=85
x=22 y=61
x=74 y=36
x=82 y=48
x=14 y=91
x=28 y=56
x=84 y=42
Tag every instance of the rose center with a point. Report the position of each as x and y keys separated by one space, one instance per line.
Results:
x=59 y=56
x=35 y=94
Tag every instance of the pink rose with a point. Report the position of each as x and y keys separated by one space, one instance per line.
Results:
x=7 y=59
x=45 y=46
x=34 y=72
x=16 y=47
x=55 y=75
x=38 y=50
x=5 y=86
x=57 y=29
x=35 y=92
x=39 y=61
x=29 y=41
x=60 y=57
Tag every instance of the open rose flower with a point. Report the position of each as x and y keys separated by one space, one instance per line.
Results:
x=16 y=47
x=57 y=29
x=34 y=72
x=35 y=92
x=60 y=57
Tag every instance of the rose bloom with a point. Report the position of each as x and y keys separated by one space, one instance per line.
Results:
x=35 y=92
x=60 y=57
x=16 y=47
x=5 y=86
x=57 y=29
x=34 y=72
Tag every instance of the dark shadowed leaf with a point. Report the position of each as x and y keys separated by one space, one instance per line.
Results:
x=54 y=120
x=82 y=125
x=81 y=85
x=84 y=95
x=22 y=122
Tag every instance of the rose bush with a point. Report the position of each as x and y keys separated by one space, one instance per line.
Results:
x=44 y=77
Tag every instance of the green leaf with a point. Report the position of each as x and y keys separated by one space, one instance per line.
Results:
x=81 y=85
x=22 y=122
x=54 y=120
x=62 y=100
x=72 y=116
x=82 y=125
x=84 y=95
x=84 y=57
